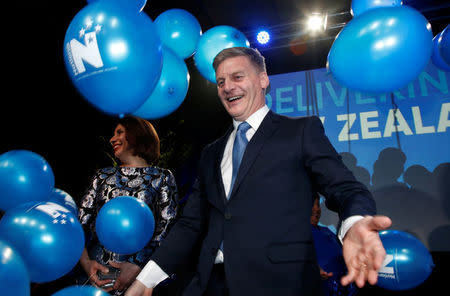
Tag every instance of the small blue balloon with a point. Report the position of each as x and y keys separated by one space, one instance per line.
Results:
x=179 y=30
x=124 y=225
x=113 y=56
x=25 y=176
x=81 y=291
x=360 y=6
x=382 y=50
x=63 y=198
x=444 y=45
x=211 y=43
x=136 y=5
x=170 y=91
x=14 y=279
x=436 y=56
x=407 y=263
x=47 y=235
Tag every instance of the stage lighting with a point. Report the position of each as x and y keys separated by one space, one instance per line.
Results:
x=317 y=22
x=263 y=37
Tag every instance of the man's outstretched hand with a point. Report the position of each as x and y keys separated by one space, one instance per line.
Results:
x=363 y=251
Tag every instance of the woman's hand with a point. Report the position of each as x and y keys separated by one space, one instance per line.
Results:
x=128 y=273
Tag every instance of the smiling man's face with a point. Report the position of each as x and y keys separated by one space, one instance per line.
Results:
x=241 y=87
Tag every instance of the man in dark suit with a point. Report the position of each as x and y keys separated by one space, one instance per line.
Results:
x=251 y=204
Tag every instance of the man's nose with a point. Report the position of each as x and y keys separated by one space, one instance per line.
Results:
x=228 y=86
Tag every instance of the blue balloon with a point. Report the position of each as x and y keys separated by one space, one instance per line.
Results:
x=137 y=5
x=444 y=45
x=47 y=235
x=113 y=57
x=436 y=56
x=360 y=6
x=14 y=279
x=382 y=50
x=24 y=177
x=63 y=198
x=179 y=30
x=407 y=263
x=81 y=291
x=171 y=89
x=124 y=225
x=211 y=43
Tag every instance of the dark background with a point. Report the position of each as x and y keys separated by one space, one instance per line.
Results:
x=43 y=112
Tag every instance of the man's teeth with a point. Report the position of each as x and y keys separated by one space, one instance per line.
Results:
x=234 y=98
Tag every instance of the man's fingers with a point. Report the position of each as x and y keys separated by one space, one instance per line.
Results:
x=373 y=277
x=350 y=277
x=380 y=223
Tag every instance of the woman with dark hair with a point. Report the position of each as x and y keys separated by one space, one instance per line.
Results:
x=137 y=149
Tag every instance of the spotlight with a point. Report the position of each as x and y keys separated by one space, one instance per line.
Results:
x=263 y=37
x=317 y=22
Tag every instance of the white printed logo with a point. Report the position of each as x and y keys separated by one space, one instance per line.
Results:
x=79 y=53
x=56 y=211
x=387 y=260
x=385 y=271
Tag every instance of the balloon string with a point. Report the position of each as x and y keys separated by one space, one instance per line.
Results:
x=88 y=280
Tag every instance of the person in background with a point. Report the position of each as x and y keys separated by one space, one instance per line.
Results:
x=329 y=256
x=251 y=204
x=137 y=148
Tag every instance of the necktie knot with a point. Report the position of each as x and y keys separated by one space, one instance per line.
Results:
x=242 y=129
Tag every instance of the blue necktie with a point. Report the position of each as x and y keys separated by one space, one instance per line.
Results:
x=240 y=142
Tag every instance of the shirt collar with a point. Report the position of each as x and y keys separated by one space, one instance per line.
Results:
x=255 y=119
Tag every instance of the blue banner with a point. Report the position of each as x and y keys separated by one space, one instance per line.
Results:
x=395 y=143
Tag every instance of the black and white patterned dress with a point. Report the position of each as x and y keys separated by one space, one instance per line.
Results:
x=153 y=185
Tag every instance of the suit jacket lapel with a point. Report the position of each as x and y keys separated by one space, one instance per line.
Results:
x=220 y=149
x=265 y=130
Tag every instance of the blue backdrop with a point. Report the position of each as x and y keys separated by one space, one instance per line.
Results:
x=395 y=143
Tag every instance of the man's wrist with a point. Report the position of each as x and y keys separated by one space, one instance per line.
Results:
x=346 y=224
x=151 y=275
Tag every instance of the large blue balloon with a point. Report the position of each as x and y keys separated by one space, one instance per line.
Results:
x=136 y=5
x=113 y=56
x=63 y=198
x=360 y=6
x=444 y=44
x=170 y=90
x=14 y=279
x=81 y=291
x=382 y=50
x=24 y=177
x=436 y=56
x=211 y=43
x=124 y=225
x=179 y=30
x=47 y=235
x=407 y=263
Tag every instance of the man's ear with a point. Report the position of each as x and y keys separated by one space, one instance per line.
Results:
x=264 y=80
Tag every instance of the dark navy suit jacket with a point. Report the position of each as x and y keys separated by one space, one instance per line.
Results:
x=265 y=225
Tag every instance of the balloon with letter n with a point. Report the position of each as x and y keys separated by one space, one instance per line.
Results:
x=407 y=263
x=124 y=225
x=113 y=56
x=48 y=237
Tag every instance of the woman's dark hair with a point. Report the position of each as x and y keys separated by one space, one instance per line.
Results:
x=142 y=138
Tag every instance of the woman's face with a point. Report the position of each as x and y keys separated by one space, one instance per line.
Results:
x=119 y=143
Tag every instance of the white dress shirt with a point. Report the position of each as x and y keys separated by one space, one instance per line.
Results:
x=152 y=274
